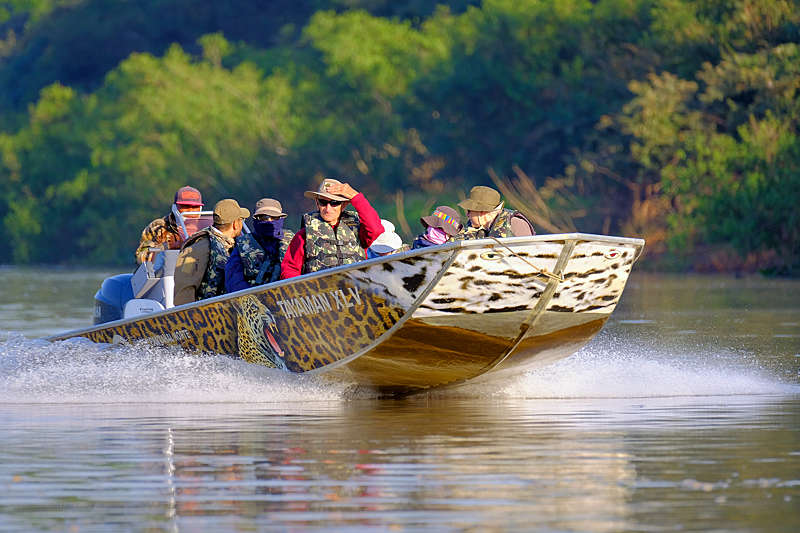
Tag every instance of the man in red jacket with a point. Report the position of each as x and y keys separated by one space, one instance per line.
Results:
x=331 y=236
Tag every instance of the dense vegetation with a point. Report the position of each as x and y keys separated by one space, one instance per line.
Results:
x=676 y=120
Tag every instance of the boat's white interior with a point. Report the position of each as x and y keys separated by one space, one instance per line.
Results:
x=153 y=285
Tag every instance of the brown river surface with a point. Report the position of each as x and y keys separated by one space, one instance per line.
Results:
x=683 y=414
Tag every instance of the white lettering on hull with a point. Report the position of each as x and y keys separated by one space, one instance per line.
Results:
x=319 y=303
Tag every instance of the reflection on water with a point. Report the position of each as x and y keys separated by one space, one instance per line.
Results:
x=681 y=414
x=608 y=465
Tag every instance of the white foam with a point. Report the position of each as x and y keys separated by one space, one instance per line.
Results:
x=37 y=371
x=611 y=368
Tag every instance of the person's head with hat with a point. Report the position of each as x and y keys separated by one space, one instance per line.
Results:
x=229 y=217
x=386 y=243
x=482 y=206
x=440 y=225
x=268 y=219
x=331 y=196
x=188 y=199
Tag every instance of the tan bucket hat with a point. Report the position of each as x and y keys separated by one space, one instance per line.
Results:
x=322 y=192
x=228 y=210
x=481 y=199
x=269 y=207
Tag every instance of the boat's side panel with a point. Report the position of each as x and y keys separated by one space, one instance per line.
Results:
x=594 y=277
x=492 y=280
x=419 y=355
x=513 y=276
x=301 y=325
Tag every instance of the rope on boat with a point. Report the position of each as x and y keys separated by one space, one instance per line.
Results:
x=541 y=271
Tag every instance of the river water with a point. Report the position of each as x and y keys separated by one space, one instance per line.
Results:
x=682 y=415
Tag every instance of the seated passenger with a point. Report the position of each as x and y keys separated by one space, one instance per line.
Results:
x=440 y=226
x=257 y=256
x=487 y=217
x=164 y=233
x=331 y=236
x=387 y=242
x=200 y=269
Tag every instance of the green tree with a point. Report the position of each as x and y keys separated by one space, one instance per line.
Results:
x=725 y=149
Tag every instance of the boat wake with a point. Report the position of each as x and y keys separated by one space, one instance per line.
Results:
x=610 y=367
x=76 y=371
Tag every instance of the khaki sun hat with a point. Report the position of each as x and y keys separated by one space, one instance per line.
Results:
x=322 y=192
x=443 y=217
x=228 y=210
x=269 y=207
x=481 y=199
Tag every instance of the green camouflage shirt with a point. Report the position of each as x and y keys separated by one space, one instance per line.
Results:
x=326 y=248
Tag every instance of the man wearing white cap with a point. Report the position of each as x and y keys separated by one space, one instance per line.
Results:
x=331 y=236
x=257 y=256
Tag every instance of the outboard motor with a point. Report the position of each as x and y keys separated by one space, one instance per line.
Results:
x=110 y=300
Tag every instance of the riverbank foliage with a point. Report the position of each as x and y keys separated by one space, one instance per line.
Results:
x=674 y=120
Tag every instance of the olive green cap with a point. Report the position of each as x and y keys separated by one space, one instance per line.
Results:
x=481 y=199
x=228 y=210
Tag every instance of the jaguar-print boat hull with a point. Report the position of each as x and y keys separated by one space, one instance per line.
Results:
x=409 y=322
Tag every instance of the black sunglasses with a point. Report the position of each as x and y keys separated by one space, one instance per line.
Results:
x=263 y=218
x=334 y=203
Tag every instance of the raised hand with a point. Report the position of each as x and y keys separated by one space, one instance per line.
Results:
x=343 y=189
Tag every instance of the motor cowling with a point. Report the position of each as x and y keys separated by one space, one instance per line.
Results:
x=110 y=299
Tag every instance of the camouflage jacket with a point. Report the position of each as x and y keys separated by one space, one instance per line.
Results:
x=326 y=248
x=161 y=233
x=213 y=282
x=499 y=228
x=258 y=269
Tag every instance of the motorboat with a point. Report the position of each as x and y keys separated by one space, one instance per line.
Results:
x=402 y=323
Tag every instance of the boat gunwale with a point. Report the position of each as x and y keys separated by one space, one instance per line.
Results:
x=451 y=246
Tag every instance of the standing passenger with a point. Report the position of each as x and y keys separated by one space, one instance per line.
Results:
x=257 y=256
x=331 y=236
x=200 y=270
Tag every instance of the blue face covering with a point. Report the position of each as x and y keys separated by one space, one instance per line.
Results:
x=268 y=229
